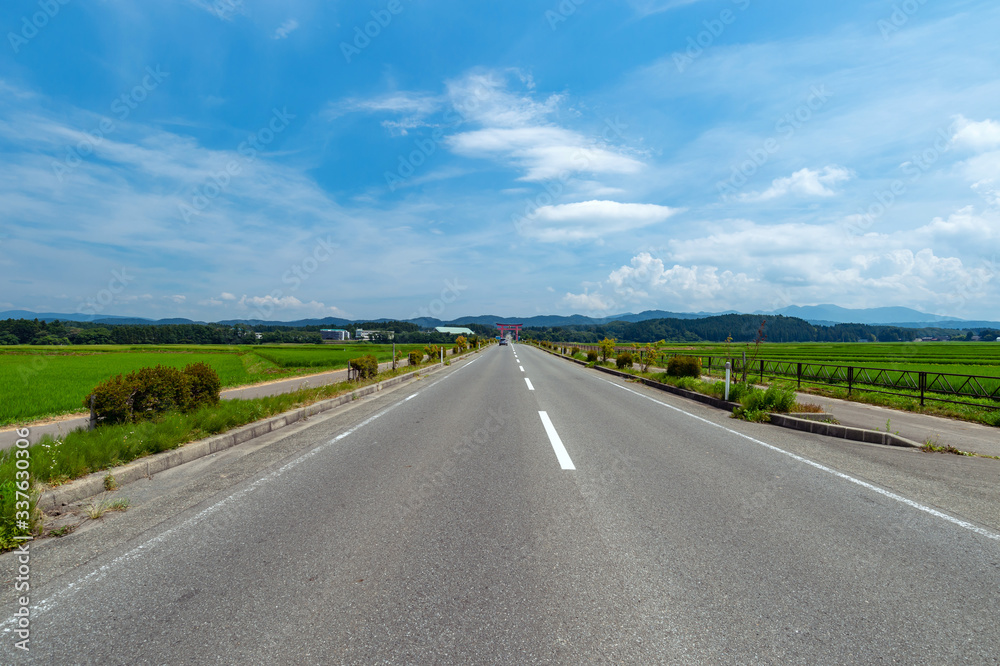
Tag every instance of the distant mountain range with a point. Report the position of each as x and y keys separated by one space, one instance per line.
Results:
x=821 y=315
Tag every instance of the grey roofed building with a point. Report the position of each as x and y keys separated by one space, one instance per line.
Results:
x=453 y=330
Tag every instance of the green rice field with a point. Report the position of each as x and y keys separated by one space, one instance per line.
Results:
x=38 y=382
x=962 y=358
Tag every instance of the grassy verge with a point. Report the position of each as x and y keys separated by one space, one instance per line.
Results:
x=54 y=462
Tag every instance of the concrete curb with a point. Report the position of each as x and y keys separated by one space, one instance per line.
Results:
x=805 y=424
x=842 y=431
x=93 y=484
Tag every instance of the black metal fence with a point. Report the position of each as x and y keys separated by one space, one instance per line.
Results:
x=909 y=383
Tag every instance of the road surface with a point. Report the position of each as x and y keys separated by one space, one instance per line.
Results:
x=520 y=509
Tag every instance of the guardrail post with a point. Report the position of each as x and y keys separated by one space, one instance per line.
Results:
x=762 y=371
x=850 y=378
x=798 y=375
x=923 y=387
x=93 y=413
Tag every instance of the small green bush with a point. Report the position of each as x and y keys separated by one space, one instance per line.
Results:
x=365 y=367
x=160 y=389
x=592 y=356
x=204 y=384
x=113 y=399
x=774 y=399
x=736 y=391
x=684 y=366
x=414 y=358
x=624 y=361
x=576 y=350
x=146 y=393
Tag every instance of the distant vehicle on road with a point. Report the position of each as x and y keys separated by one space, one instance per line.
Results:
x=503 y=341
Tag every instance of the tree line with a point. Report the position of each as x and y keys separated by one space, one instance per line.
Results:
x=741 y=328
x=35 y=332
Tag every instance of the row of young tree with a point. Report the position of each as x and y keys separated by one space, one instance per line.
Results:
x=742 y=328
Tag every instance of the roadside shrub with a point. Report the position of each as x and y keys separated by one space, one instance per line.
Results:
x=148 y=392
x=684 y=366
x=365 y=367
x=159 y=390
x=592 y=356
x=433 y=352
x=736 y=391
x=576 y=350
x=414 y=358
x=607 y=347
x=113 y=398
x=774 y=399
x=203 y=383
x=624 y=361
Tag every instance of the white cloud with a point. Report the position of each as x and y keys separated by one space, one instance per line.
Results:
x=543 y=152
x=976 y=135
x=587 y=302
x=648 y=7
x=589 y=220
x=265 y=307
x=647 y=277
x=484 y=98
x=176 y=298
x=416 y=104
x=804 y=183
x=285 y=29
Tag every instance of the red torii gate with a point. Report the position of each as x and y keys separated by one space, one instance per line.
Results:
x=505 y=328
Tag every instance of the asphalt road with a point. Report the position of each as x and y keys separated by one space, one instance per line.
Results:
x=520 y=509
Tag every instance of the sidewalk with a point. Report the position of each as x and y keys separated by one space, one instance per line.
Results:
x=940 y=431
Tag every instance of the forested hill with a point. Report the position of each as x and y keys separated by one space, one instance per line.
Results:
x=742 y=328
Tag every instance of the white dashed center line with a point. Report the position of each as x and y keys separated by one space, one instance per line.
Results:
x=564 y=460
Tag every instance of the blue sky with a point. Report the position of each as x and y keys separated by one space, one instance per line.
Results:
x=219 y=159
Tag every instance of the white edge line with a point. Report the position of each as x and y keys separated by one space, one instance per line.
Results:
x=561 y=454
x=138 y=551
x=864 y=484
x=530 y=387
